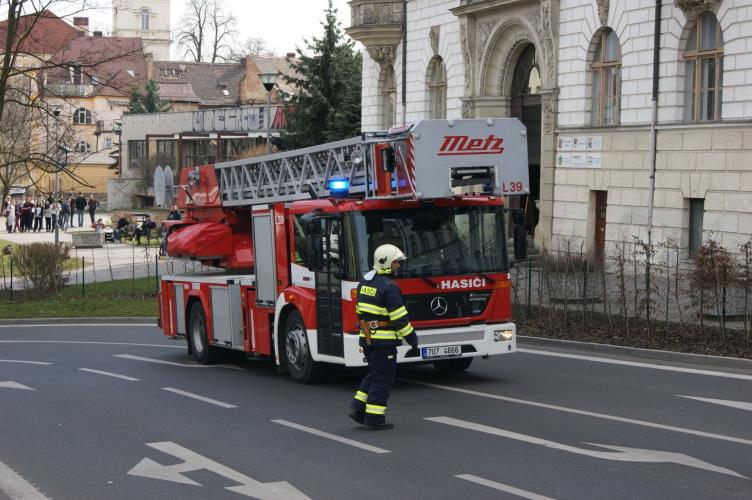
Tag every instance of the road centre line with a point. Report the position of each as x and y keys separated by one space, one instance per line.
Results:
x=174 y=363
x=16 y=487
x=693 y=371
x=88 y=342
x=575 y=411
x=200 y=398
x=109 y=374
x=741 y=405
x=25 y=325
x=333 y=437
x=502 y=487
x=24 y=362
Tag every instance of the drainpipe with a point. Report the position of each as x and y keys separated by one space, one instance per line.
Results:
x=654 y=122
x=404 y=62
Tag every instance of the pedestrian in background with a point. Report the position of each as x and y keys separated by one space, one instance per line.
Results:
x=174 y=214
x=10 y=221
x=54 y=212
x=72 y=205
x=64 y=215
x=19 y=210
x=93 y=204
x=80 y=207
x=47 y=215
x=27 y=215
x=38 y=215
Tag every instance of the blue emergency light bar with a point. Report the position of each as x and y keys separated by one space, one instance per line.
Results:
x=339 y=187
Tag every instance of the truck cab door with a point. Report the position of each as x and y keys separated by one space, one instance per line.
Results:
x=329 y=288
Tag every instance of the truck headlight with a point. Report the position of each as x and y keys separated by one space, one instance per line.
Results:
x=503 y=335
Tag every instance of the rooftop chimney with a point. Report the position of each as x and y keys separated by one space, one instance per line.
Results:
x=291 y=55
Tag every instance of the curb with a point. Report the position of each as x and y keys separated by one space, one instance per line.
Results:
x=76 y=321
x=637 y=352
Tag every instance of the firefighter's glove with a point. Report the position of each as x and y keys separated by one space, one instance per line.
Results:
x=413 y=353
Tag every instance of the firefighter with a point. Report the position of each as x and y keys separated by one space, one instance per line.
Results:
x=384 y=324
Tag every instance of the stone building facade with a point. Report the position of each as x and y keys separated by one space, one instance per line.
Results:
x=578 y=74
x=148 y=20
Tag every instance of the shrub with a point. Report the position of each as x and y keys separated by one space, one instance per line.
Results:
x=42 y=267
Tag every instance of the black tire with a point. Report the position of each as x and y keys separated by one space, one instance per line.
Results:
x=296 y=351
x=198 y=338
x=453 y=365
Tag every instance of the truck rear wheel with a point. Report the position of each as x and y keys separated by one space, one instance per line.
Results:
x=453 y=365
x=198 y=338
x=297 y=351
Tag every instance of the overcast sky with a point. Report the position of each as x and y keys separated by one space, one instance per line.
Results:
x=284 y=24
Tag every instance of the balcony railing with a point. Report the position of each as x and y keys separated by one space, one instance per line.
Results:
x=368 y=13
x=70 y=89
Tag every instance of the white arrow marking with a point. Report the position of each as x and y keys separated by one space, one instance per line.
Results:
x=16 y=487
x=193 y=462
x=620 y=454
x=24 y=362
x=15 y=385
x=109 y=374
x=723 y=402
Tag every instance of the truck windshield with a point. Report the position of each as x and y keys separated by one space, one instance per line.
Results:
x=438 y=241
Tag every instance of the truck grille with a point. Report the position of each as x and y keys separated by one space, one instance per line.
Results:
x=446 y=306
x=438 y=338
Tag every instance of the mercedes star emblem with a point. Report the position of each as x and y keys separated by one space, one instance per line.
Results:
x=439 y=306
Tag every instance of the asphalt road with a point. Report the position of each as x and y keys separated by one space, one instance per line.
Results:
x=92 y=412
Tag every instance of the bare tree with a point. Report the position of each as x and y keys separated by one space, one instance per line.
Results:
x=30 y=129
x=252 y=46
x=208 y=31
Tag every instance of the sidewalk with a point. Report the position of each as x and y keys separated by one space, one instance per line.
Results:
x=113 y=261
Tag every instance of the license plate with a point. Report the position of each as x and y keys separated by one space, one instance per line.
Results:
x=443 y=351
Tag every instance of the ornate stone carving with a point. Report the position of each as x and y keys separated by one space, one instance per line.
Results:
x=603 y=11
x=547 y=37
x=547 y=103
x=465 y=55
x=382 y=54
x=484 y=31
x=433 y=35
x=377 y=13
x=465 y=110
x=693 y=7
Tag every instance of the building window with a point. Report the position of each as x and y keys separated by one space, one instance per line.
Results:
x=606 y=70
x=144 y=19
x=76 y=75
x=437 y=89
x=388 y=96
x=166 y=152
x=107 y=142
x=703 y=78
x=82 y=147
x=82 y=116
x=696 y=213
x=136 y=153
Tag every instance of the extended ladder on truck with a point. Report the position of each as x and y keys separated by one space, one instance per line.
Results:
x=428 y=159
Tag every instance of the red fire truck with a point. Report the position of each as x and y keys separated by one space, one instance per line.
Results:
x=294 y=232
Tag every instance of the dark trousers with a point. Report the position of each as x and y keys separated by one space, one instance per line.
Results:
x=37 y=224
x=373 y=393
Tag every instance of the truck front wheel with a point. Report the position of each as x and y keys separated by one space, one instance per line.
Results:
x=453 y=365
x=297 y=351
x=198 y=338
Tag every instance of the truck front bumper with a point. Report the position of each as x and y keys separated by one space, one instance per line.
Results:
x=475 y=340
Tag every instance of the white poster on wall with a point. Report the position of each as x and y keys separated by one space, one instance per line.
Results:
x=564 y=160
x=580 y=143
x=565 y=143
x=579 y=160
x=594 y=160
x=595 y=143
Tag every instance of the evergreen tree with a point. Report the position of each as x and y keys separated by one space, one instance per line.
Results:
x=148 y=103
x=327 y=105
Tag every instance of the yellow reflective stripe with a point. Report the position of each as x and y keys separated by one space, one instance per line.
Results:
x=384 y=271
x=361 y=396
x=398 y=313
x=372 y=309
x=406 y=331
x=376 y=409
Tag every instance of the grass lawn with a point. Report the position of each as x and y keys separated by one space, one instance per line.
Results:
x=121 y=298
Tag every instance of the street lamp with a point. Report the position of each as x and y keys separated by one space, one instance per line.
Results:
x=268 y=79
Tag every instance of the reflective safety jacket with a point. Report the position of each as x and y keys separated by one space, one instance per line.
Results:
x=379 y=302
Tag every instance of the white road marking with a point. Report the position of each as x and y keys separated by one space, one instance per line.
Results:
x=15 y=385
x=173 y=363
x=723 y=402
x=502 y=487
x=88 y=342
x=620 y=453
x=98 y=325
x=109 y=374
x=192 y=461
x=644 y=423
x=24 y=362
x=17 y=488
x=200 y=398
x=333 y=437
x=693 y=371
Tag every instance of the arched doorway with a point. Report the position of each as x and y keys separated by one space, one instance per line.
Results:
x=526 y=106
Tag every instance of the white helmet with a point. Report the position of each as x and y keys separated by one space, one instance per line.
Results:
x=385 y=255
